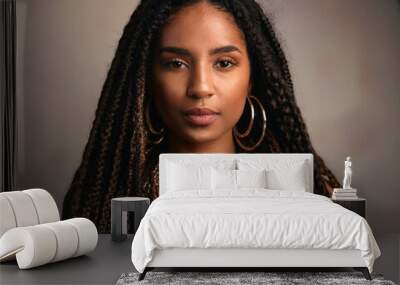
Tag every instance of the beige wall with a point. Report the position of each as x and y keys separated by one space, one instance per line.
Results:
x=344 y=57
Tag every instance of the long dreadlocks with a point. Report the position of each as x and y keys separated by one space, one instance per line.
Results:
x=119 y=159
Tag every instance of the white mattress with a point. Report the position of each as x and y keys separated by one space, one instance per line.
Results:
x=252 y=218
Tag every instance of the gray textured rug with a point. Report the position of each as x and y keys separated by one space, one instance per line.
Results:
x=230 y=278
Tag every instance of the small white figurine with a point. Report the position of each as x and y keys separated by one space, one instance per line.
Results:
x=347 y=173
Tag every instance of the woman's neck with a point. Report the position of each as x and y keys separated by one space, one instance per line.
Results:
x=224 y=144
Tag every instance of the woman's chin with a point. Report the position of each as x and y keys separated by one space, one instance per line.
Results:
x=199 y=136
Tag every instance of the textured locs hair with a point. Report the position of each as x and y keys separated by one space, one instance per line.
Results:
x=119 y=159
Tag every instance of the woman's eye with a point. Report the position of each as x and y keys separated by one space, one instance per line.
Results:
x=225 y=63
x=175 y=64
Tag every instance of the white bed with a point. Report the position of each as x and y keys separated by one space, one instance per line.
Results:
x=268 y=218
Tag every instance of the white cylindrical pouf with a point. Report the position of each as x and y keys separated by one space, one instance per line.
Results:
x=45 y=205
x=7 y=218
x=87 y=233
x=23 y=208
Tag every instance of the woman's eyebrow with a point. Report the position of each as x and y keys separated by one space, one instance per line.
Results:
x=176 y=50
x=224 y=49
x=182 y=51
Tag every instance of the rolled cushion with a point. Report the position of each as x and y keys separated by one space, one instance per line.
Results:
x=26 y=208
x=7 y=220
x=66 y=237
x=23 y=208
x=87 y=235
x=33 y=246
x=46 y=207
x=40 y=244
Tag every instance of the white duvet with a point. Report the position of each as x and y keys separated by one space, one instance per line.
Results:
x=251 y=218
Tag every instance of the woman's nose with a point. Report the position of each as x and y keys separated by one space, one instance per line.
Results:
x=201 y=85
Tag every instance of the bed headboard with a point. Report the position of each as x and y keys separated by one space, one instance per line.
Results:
x=213 y=158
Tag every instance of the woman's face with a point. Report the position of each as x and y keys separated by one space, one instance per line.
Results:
x=201 y=62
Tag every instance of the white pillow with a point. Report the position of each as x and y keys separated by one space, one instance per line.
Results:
x=202 y=160
x=282 y=174
x=229 y=179
x=182 y=178
x=223 y=179
x=251 y=178
x=287 y=179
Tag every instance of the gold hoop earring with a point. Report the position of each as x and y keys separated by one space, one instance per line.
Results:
x=250 y=126
x=264 y=116
x=150 y=127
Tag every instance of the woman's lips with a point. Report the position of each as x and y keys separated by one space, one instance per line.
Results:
x=201 y=120
x=200 y=116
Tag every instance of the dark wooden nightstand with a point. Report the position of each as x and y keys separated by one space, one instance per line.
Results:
x=119 y=215
x=357 y=205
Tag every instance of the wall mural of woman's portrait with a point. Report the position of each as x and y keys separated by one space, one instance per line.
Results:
x=169 y=133
x=188 y=77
